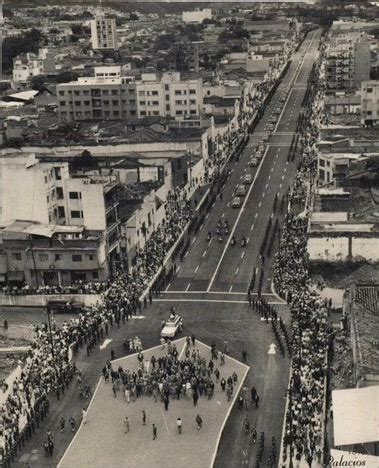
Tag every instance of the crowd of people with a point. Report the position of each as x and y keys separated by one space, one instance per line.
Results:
x=170 y=377
x=303 y=439
x=47 y=367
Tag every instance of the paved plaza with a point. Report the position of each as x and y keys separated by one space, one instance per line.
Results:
x=102 y=440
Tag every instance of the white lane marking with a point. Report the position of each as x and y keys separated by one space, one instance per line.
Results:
x=227 y=301
x=210 y=242
x=259 y=204
x=237 y=270
x=186 y=254
x=266 y=186
x=237 y=220
x=204 y=253
x=283 y=177
x=178 y=268
x=213 y=204
x=252 y=227
x=242 y=254
x=269 y=176
x=247 y=240
x=169 y=284
x=194 y=240
x=223 y=214
x=230 y=289
x=256 y=215
x=165 y=422
x=196 y=268
x=207 y=216
x=272 y=169
x=280 y=186
x=189 y=284
x=228 y=204
x=201 y=227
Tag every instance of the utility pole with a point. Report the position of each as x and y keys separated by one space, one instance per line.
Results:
x=34 y=260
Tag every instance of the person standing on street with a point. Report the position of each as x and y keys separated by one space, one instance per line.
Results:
x=155 y=432
x=126 y=424
x=179 y=425
x=199 y=422
x=143 y=417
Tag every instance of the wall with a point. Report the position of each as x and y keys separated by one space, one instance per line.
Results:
x=337 y=248
x=41 y=300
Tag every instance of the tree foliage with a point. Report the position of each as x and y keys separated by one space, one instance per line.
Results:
x=12 y=46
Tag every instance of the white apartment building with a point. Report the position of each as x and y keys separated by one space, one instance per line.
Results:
x=111 y=96
x=106 y=96
x=370 y=102
x=197 y=16
x=103 y=33
x=26 y=66
x=169 y=96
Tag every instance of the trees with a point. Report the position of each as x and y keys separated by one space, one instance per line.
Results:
x=13 y=46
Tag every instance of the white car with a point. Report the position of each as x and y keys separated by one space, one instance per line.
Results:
x=236 y=202
x=172 y=327
x=253 y=162
x=247 y=179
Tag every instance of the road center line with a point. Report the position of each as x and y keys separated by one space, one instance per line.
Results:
x=236 y=272
x=196 y=268
x=189 y=284
x=237 y=220
x=242 y=254
x=204 y=253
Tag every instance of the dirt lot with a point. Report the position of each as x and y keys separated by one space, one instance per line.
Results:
x=343 y=275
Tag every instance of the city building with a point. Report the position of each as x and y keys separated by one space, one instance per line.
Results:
x=26 y=66
x=49 y=254
x=103 y=33
x=197 y=16
x=59 y=194
x=106 y=96
x=110 y=96
x=168 y=95
x=370 y=102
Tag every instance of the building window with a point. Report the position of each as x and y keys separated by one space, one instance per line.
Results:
x=75 y=195
x=76 y=214
x=95 y=275
x=76 y=258
x=61 y=212
x=154 y=93
x=58 y=257
x=141 y=93
x=115 y=102
x=192 y=91
x=43 y=257
x=61 y=93
x=143 y=113
x=114 y=92
x=155 y=103
x=90 y=257
x=178 y=93
x=192 y=101
x=142 y=103
x=105 y=92
x=179 y=112
x=57 y=172
x=322 y=163
x=16 y=256
x=132 y=112
x=76 y=93
x=369 y=90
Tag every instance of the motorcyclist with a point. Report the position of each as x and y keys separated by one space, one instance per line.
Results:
x=209 y=236
x=220 y=238
x=233 y=240
x=243 y=241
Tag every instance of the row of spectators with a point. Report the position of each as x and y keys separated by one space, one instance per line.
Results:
x=48 y=369
x=303 y=437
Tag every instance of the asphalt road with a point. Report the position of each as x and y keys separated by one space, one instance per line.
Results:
x=210 y=287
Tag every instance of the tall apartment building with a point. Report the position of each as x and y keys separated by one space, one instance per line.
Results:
x=26 y=66
x=370 y=102
x=106 y=96
x=103 y=33
x=362 y=59
x=111 y=96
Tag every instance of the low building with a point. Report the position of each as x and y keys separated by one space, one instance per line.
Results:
x=26 y=66
x=338 y=105
x=197 y=16
x=47 y=254
x=370 y=102
x=334 y=240
x=334 y=167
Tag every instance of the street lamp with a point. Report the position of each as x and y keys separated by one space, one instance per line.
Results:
x=50 y=332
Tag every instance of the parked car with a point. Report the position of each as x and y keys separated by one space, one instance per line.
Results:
x=253 y=162
x=236 y=202
x=247 y=179
x=241 y=190
x=172 y=327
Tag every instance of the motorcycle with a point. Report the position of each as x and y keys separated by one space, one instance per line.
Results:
x=233 y=241
x=243 y=242
x=209 y=236
x=220 y=239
